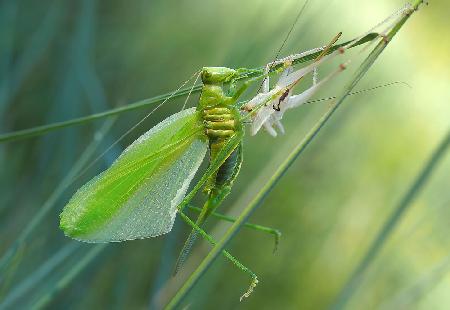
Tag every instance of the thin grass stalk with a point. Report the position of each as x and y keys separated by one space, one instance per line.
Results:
x=165 y=267
x=258 y=199
x=31 y=54
x=40 y=130
x=410 y=296
x=39 y=274
x=69 y=276
x=8 y=15
x=402 y=238
x=54 y=197
x=385 y=232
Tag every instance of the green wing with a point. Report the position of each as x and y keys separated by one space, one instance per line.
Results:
x=137 y=196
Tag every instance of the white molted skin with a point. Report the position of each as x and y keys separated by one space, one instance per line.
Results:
x=270 y=105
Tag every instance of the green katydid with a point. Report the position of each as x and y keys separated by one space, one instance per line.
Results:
x=131 y=199
x=143 y=190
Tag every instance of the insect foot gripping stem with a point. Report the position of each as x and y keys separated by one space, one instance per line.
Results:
x=250 y=289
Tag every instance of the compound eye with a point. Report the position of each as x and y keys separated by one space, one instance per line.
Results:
x=206 y=76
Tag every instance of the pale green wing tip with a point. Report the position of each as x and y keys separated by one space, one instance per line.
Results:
x=67 y=227
x=150 y=209
x=72 y=232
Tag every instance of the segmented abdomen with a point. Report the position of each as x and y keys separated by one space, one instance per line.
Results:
x=221 y=123
x=230 y=168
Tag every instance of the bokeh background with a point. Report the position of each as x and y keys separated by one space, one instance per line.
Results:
x=65 y=59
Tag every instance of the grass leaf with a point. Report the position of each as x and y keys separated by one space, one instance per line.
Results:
x=284 y=166
x=145 y=103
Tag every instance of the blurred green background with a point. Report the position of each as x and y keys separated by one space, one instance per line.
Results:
x=65 y=59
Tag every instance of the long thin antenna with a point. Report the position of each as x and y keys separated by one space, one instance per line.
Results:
x=133 y=128
x=291 y=29
x=181 y=86
x=286 y=38
x=357 y=92
x=190 y=91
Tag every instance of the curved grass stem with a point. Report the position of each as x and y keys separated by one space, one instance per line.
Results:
x=145 y=103
x=38 y=218
x=385 y=232
x=68 y=277
x=270 y=184
x=39 y=275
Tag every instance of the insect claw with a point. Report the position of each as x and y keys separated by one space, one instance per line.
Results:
x=277 y=235
x=250 y=289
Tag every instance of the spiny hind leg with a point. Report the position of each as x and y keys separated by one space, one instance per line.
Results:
x=230 y=257
x=218 y=187
x=274 y=232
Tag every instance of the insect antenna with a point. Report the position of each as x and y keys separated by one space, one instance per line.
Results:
x=361 y=91
x=135 y=126
x=290 y=30
x=286 y=38
x=192 y=88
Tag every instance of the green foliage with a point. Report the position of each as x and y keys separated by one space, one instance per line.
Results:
x=67 y=60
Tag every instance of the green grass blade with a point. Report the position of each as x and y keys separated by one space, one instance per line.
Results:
x=39 y=275
x=31 y=54
x=69 y=276
x=41 y=130
x=51 y=201
x=257 y=200
x=410 y=296
x=352 y=284
x=259 y=71
x=8 y=16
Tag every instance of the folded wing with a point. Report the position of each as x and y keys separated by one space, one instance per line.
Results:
x=137 y=196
